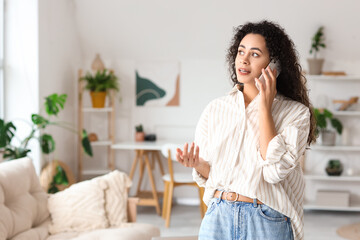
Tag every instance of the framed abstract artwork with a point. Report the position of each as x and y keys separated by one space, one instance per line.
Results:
x=157 y=83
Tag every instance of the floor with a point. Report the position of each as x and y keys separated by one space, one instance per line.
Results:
x=185 y=221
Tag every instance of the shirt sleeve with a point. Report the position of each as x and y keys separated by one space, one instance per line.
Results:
x=202 y=140
x=286 y=149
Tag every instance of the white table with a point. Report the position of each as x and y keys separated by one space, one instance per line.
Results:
x=143 y=150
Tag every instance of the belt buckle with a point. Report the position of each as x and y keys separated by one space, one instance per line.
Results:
x=237 y=195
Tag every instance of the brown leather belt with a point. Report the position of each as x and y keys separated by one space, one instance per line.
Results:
x=234 y=197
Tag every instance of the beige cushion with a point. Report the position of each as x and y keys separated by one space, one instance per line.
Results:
x=127 y=231
x=40 y=232
x=22 y=200
x=116 y=196
x=80 y=207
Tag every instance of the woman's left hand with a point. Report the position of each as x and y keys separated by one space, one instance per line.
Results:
x=268 y=90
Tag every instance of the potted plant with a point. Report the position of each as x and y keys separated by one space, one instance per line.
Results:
x=334 y=168
x=99 y=84
x=317 y=42
x=39 y=123
x=139 y=134
x=328 y=136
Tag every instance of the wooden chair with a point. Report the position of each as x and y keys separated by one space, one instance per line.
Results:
x=172 y=180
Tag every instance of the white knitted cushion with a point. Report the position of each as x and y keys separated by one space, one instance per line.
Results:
x=116 y=196
x=81 y=207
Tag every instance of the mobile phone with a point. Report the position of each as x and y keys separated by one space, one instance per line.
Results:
x=273 y=64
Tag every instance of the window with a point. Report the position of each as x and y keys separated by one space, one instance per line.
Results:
x=2 y=86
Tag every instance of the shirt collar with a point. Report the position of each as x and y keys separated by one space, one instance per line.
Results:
x=237 y=87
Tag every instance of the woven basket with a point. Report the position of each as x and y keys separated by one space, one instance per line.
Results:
x=49 y=171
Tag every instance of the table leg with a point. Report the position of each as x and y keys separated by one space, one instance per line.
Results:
x=153 y=187
x=165 y=200
x=152 y=160
x=159 y=161
x=141 y=174
x=133 y=167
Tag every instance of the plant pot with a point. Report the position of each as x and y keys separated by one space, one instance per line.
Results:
x=315 y=65
x=334 y=171
x=334 y=167
x=98 y=99
x=328 y=138
x=139 y=136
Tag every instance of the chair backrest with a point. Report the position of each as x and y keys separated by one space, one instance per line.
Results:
x=172 y=147
x=169 y=151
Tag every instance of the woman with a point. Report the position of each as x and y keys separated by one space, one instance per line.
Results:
x=249 y=144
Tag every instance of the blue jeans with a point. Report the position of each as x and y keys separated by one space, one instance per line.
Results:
x=226 y=220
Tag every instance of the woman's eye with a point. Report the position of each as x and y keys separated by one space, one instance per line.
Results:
x=255 y=54
x=241 y=52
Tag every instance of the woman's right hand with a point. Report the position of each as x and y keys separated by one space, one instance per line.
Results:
x=188 y=158
x=191 y=159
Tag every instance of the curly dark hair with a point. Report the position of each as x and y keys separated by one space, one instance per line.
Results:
x=291 y=82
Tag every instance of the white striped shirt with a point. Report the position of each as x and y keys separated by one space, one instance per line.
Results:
x=228 y=136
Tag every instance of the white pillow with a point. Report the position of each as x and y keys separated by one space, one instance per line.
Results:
x=80 y=207
x=116 y=196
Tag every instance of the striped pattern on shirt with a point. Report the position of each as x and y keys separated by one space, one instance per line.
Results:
x=228 y=137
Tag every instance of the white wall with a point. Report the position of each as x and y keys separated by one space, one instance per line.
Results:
x=59 y=57
x=21 y=68
x=42 y=54
x=197 y=34
x=202 y=29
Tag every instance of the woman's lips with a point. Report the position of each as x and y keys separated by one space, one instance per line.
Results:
x=242 y=71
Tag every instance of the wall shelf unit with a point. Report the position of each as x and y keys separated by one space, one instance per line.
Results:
x=96 y=110
x=332 y=178
x=335 y=148
x=314 y=206
x=346 y=113
x=334 y=87
x=333 y=78
x=101 y=143
x=110 y=112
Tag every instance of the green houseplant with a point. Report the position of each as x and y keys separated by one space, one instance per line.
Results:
x=317 y=42
x=10 y=151
x=99 y=84
x=139 y=133
x=334 y=167
x=323 y=116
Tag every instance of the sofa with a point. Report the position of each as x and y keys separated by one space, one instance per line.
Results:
x=28 y=213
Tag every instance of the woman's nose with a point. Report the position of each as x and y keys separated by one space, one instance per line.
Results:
x=244 y=59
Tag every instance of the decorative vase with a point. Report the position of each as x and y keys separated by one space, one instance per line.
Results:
x=328 y=138
x=139 y=136
x=97 y=64
x=93 y=137
x=315 y=65
x=98 y=99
